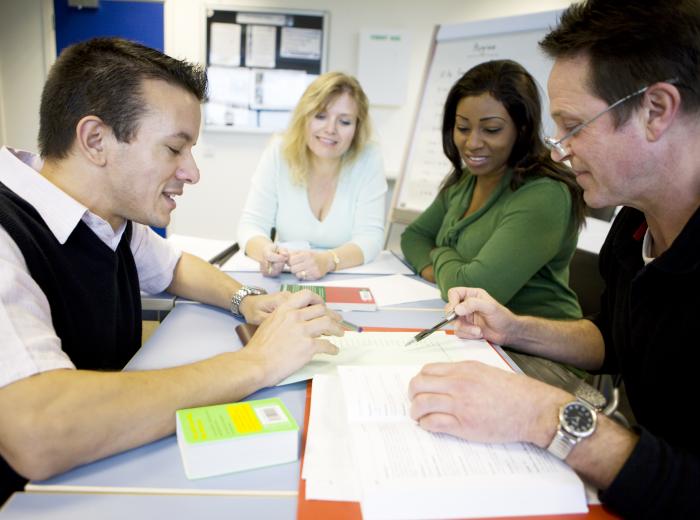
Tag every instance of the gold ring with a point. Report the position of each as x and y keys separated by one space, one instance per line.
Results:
x=302 y=274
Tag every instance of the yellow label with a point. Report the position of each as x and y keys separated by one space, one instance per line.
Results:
x=244 y=418
x=193 y=428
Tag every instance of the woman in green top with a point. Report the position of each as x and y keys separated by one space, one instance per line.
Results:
x=507 y=217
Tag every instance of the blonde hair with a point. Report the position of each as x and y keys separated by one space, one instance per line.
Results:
x=316 y=98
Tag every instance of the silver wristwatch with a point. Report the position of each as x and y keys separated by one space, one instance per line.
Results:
x=237 y=299
x=577 y=420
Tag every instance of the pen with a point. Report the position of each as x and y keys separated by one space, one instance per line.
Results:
x=427 y=332
x=350 y=326
x=269 y=264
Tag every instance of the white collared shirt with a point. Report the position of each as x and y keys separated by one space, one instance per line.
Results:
x=646 y=248
x=28 y=341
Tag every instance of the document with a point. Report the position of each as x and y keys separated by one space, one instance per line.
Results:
x=225 y=44
x=403 y=471
x=388 y=348
x=205 y=248
x=299 y=43
x=230 y=86
x=260 y=46
x=223 y=115
x=279 y=89
x=328 y=466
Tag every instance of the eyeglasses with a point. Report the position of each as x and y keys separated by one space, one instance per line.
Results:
x=556 y=145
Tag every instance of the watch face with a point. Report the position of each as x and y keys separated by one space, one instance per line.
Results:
x=578 y=419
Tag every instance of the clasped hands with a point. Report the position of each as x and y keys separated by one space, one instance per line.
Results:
x=304 y=264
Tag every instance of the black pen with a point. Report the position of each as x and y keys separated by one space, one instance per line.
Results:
x=427 y=332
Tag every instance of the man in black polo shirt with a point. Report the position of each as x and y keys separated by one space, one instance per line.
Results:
x=118 y=123
x=625 y=94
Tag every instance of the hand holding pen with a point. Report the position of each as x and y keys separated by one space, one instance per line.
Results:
x=480 y=316
x=451 y=316
x=269 y=264
x=275 y=257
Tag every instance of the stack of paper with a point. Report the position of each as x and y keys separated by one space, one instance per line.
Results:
x=369 y=450
x=224 y=438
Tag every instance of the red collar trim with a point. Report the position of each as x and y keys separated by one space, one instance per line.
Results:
x=641 y=230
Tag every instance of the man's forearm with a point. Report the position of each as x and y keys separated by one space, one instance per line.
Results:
x=577 y=342
x=200 y=281
x=65 y=418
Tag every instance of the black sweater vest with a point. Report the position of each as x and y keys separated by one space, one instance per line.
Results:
x=93 y=292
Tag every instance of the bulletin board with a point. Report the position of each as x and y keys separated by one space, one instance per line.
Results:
x=259 y=62
x=455 y=49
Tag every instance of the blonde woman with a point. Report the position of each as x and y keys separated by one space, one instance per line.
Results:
x=323 y=182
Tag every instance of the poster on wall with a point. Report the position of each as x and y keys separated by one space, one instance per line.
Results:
x=259 y=62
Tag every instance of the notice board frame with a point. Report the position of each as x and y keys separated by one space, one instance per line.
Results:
x=293 y=18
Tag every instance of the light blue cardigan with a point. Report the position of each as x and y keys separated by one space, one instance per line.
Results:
x=356 y=215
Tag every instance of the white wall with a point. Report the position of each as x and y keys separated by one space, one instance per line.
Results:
x=226 y=160
x=22 y=71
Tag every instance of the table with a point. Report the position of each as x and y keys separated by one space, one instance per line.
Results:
x=156 y=467
x=78 y=506
x=143 y=475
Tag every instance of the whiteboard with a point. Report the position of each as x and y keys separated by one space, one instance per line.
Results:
x=455 y=49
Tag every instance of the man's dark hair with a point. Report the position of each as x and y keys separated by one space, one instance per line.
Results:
x=632 y=45
x=103 y=77
x=514 y=87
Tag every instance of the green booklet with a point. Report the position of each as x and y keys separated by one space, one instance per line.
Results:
x=224 y=438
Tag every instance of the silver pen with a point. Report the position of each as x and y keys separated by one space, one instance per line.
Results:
x=275 y=249
x=427 y=332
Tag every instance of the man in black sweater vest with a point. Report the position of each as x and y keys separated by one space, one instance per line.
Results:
x=624 y=93
x=117 y=125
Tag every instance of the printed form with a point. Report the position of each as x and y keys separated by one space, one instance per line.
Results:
x=370 y=450
x=389 y=348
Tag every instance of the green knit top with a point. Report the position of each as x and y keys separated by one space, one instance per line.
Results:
x=517 y=246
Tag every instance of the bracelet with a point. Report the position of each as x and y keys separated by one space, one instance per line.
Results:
x=336 y=259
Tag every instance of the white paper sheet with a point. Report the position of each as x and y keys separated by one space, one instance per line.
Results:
x=389 y=348
x=225 y=44
x=385 y=263
x=223 y=115
x=300 y=43
x=260 y=46
x=393 y=290
x=231 y=86
x=380 y=393
x=404 y=471
x=407 y=472
x=328 y=468
x=279 y=89
x=205 y=248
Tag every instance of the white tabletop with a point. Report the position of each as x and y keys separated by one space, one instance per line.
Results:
x=78 y=506
x=192 y=332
